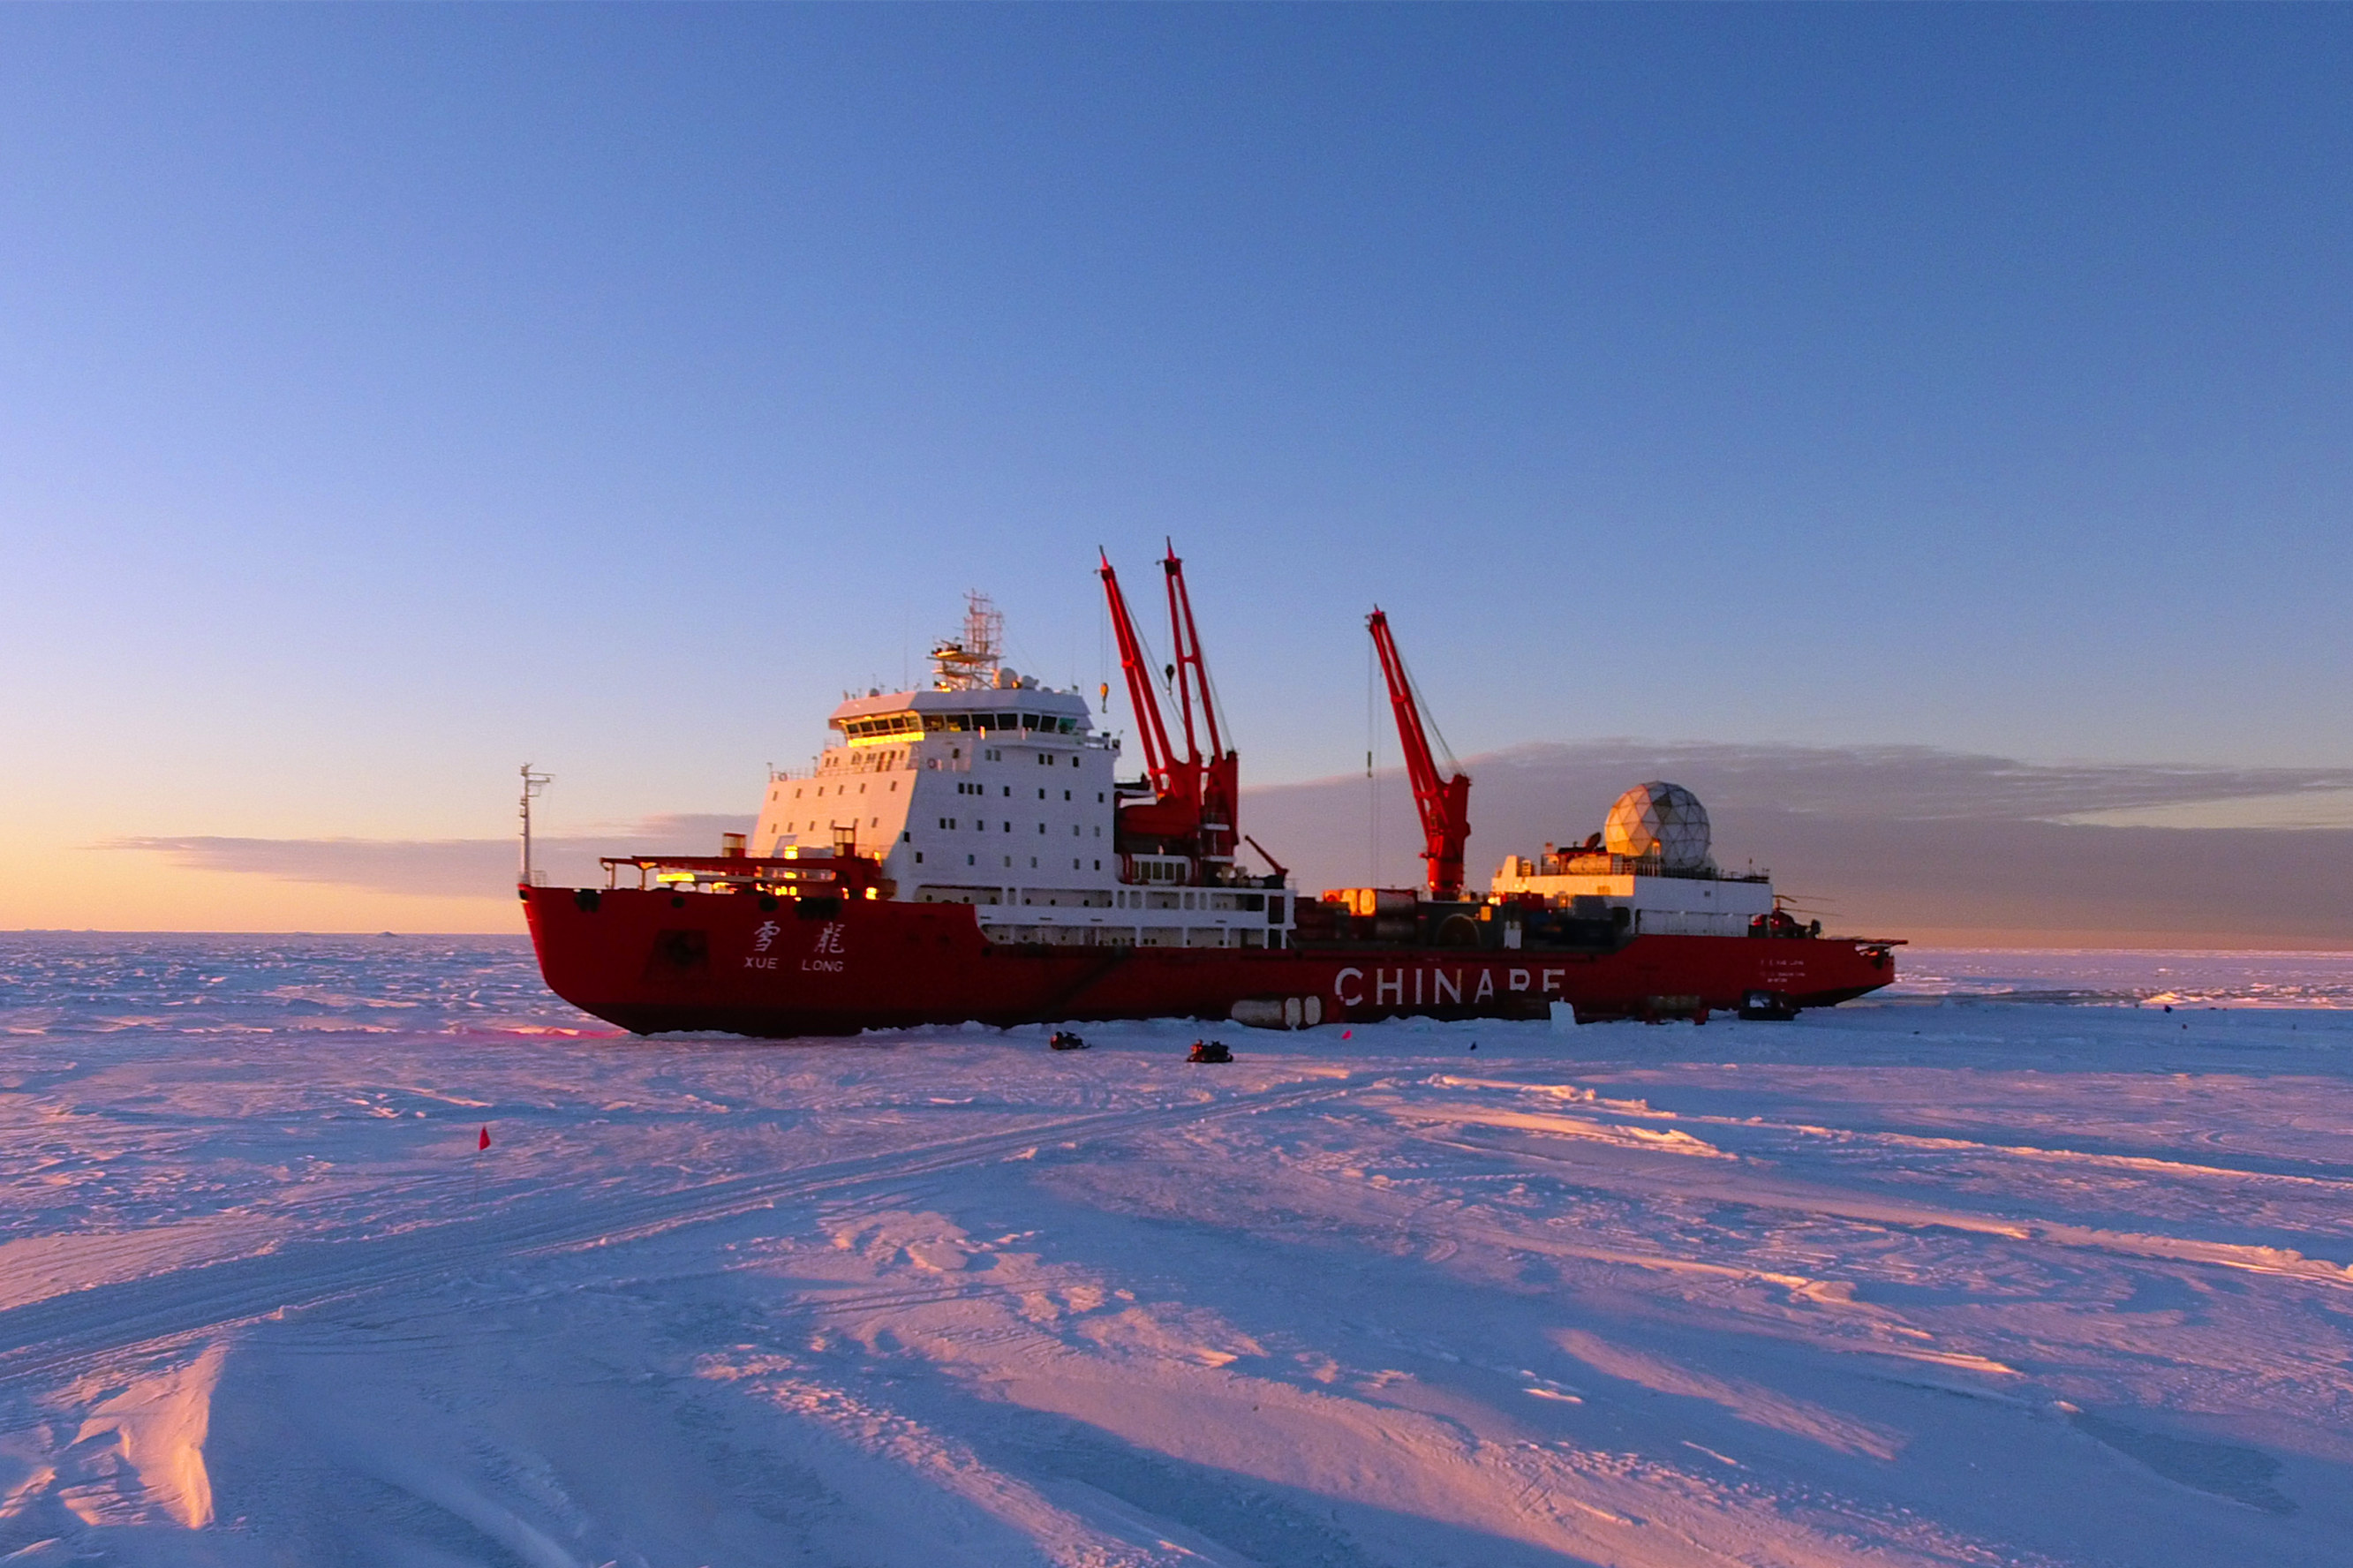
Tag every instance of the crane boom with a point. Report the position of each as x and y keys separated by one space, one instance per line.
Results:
x=1444 y=803
x=1216 y=774
x=1159 y=762
x=1192 y=675
x=1194 y=795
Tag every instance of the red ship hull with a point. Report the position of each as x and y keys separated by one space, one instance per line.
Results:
x=653 y=961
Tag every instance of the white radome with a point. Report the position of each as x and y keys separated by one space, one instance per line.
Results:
x=1659 y=820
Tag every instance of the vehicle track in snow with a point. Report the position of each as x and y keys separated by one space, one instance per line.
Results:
x=60 y=1334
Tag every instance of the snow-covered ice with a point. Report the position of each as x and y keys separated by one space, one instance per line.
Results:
x=1962 y=1276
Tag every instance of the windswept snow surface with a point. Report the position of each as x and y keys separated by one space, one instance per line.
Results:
x=1955 y=1278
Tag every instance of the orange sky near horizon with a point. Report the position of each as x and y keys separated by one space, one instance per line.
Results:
x=88 y=888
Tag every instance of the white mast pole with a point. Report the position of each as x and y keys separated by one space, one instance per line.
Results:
x=532 y=785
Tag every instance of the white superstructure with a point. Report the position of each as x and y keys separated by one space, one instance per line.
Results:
x=1596 y=885
x=1650 y=861
x=993 y=790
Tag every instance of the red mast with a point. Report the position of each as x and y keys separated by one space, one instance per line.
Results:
x=1444 y=805
x=1216 y=777
x=1159 y=762
x=1194 y=795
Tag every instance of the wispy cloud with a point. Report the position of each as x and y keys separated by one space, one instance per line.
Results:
x=444 y=867
x=1898 y=783
x=1905 y=839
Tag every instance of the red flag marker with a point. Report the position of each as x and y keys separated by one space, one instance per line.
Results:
x=486 y=1140
x=1345 y=1033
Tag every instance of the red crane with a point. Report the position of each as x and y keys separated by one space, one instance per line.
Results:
x=1159 y=763
x=1444 y=804
x=1192 y=811
x=1217 y=775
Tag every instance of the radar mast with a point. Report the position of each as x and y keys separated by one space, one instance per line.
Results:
x=968 y=662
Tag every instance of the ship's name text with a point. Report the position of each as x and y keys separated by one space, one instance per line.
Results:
x=1430 y=986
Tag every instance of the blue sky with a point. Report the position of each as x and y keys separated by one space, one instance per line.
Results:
x=390 y=396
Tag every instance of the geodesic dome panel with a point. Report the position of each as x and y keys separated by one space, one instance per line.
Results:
x=1661 y=820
